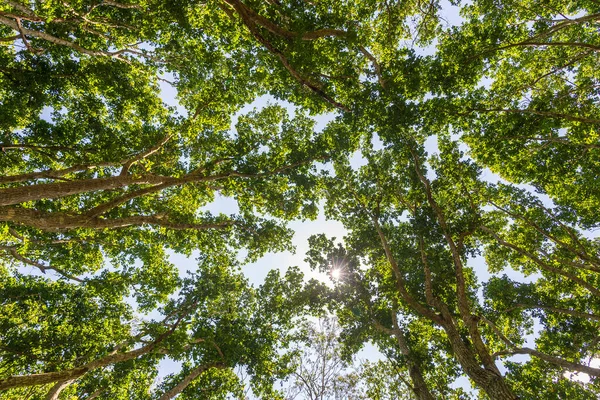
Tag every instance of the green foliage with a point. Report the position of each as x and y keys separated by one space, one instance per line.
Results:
x=469 y=218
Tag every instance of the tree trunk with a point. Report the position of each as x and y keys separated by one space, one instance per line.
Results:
x=420 y=387
x=493 y=384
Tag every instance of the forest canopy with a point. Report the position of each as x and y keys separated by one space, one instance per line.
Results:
x=471 y=259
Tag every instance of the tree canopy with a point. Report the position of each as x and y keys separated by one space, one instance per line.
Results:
x=471 y=259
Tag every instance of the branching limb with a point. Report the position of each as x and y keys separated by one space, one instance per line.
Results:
x=128 y=163
x=62 y=221
x=573 y=313
x=581 y=254
x=43 y=268
x=16 y=25
x=376 y=65
x=461 y=287
x=96 y=394
x=543 y=265
x=568 y=117
x=250 y=19
x=120 y=5
x=55 y=391
x=568 y=365
x=77 y=372
x=20 y=7
x=195 y=373
x=55 y=173
x=400 y=282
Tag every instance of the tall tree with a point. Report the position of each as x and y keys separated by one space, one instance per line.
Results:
x=100 y=180
x=216 y=323
x=424 y=229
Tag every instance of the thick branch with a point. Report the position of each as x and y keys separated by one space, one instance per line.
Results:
x=249 y=19
x=54 y=173
x=62 y=221
x=431 y=300
x=195 y=373
x=74 y=373
x=57 y=173
x=20 y=7
x=420 y=387
x=16 y=195
x=120 y=5
x=529 y=43
x=246 y=13
x=55 y=391
x=111 y=358
x=96 y=394
x=109 y=205
x=8 y=146
x=400 y=282
x=376 y=65
x=554 y=360
x=461 y=291
x=57 y=190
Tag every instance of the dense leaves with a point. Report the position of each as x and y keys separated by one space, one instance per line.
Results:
x=461 y=157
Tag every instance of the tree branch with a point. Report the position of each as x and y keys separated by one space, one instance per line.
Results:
x=541 y=263
x=567 y=311
x=195 y=373
x=62 y=221
x=55 y=391
x=128 y=163
x=249 y=19
x=54 y=173
x=74 y=373
x=582 y=255
x=13 y=252
x=16 y=25
x=536 y=112
x=376 y=65
x=461 y=292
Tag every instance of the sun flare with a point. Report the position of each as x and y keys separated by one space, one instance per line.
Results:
x=336 y=273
